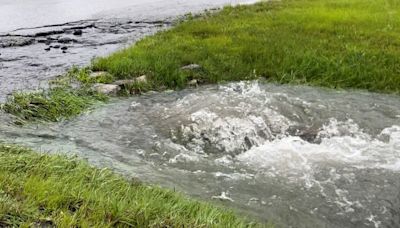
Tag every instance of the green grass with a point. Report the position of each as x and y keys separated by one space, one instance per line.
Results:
x=60 y=102
x=330 y=43
x=37 y=189
x=53 y=105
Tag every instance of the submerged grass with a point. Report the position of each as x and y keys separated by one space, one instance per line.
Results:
x=53 y=105
x=39 y=190
x=60 y=102
x=331 y=43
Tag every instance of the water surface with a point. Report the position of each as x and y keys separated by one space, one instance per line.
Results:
x=300 y=156
x=35 y=33
x=17 y=14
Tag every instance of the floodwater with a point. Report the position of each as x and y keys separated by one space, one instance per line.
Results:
x=299 y=156
x=294 y=155
x=17 y=14
x=40 y=39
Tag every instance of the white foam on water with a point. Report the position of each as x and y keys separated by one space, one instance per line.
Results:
x=233 y=176
x=319 y=155
x=225 y=133
x=246 y=133
x=341 y=142
x=226 y=120
x=224 y=196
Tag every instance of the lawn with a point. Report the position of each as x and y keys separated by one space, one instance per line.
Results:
x=331 y=43
x=38 y=190
x=341 y=44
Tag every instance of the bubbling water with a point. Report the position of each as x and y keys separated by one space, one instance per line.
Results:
x=297 y=156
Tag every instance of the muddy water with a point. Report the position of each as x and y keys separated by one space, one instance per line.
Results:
x=40 y=39
x=300 y=156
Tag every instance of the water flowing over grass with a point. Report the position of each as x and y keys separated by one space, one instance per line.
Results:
x=331 y=43
x=61 y=101
x=53 y=105
x=39 y=190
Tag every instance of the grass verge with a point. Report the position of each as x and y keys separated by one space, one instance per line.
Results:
x=53 y=105
x=46 y=191
x=61 y=101
x=330 y=43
